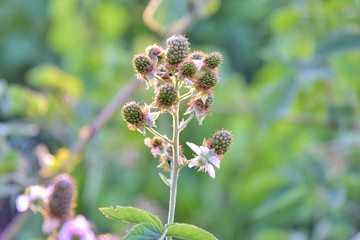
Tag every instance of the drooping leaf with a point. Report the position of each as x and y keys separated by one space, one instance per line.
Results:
x=187 y=231
x=338 y=43
x=131 y=215
x=143 y=231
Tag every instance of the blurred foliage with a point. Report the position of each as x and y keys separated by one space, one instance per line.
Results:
x=290 y=93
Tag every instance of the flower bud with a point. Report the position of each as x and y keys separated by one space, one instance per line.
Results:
x=207 y=81
x=197 y=55
x=61 y=200
x=166 y=96
x=221 y=141
x=213 y=60
x=188 y=69
x=132 y=113
x=142 y=64
x=178 y=49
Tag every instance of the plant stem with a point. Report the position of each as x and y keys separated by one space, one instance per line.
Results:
x=174 y=174
x=156 y=133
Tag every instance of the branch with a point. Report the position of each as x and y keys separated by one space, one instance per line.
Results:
x=156 y=133
x=87 y=132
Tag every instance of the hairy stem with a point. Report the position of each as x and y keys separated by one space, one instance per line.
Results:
x=184 y=123
x=175 y=169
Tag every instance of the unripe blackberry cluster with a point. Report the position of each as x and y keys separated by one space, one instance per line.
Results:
x=61 y=200
x=166 y=97
x=132 y=113
x=188 y=69
x=142 y=64
x=221 y=141
x=213 y=60
x=197 y=55
x=177 y=49
x=207 y=81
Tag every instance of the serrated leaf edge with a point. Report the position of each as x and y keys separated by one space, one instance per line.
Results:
x=156 y=220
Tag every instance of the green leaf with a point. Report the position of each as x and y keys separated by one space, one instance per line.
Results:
x=187 y=231
x=337 y=43
x=131 y=215
x=143 y=231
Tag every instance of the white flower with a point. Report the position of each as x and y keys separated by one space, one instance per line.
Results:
x=204 y=157
x=33 y=193
x=156 y=144
x=149 y=120
x=78 y=227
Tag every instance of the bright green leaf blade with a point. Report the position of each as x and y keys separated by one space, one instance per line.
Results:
x=186 y=231
x=143 y=231
x=131 y=215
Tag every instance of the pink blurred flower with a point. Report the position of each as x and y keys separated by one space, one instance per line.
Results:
x=77 y=227
x=32 y=193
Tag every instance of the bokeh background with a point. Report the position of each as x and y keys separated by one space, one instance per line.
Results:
x=289 y=92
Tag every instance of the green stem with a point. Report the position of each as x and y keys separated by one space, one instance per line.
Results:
x=174 y=174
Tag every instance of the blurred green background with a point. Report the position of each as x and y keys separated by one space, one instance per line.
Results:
x=289 y=92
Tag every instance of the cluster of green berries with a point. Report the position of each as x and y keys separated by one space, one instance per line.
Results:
x=142 y=64
x=207 y=81
x=61 y=200
x=166 y=96
x=177 y=49
x=221 y=141
x=188 y=69
x=132 y=113
x=197 y=55
x=213 y=60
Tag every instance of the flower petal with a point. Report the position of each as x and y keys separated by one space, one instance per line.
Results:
x=210 y=169
x=204 y=150
x=189 y=110
x=141 y=129
x=147 y=142
x=199 y=64
x=37 y=192
x=193 y=147
x=193 y=163
x=215 y=161
x=22 y=202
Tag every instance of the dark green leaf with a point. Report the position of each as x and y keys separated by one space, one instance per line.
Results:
x=143 y=231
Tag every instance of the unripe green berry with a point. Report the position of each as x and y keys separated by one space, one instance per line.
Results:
x=221 y=141
x=142 y=64
x=132 y=113
x=61 y=200
x=213 y=60
x=207 y=81
x=178 y=49
x=197 y=55
x=209 y=101
x=188 y=69
x=166 y=96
